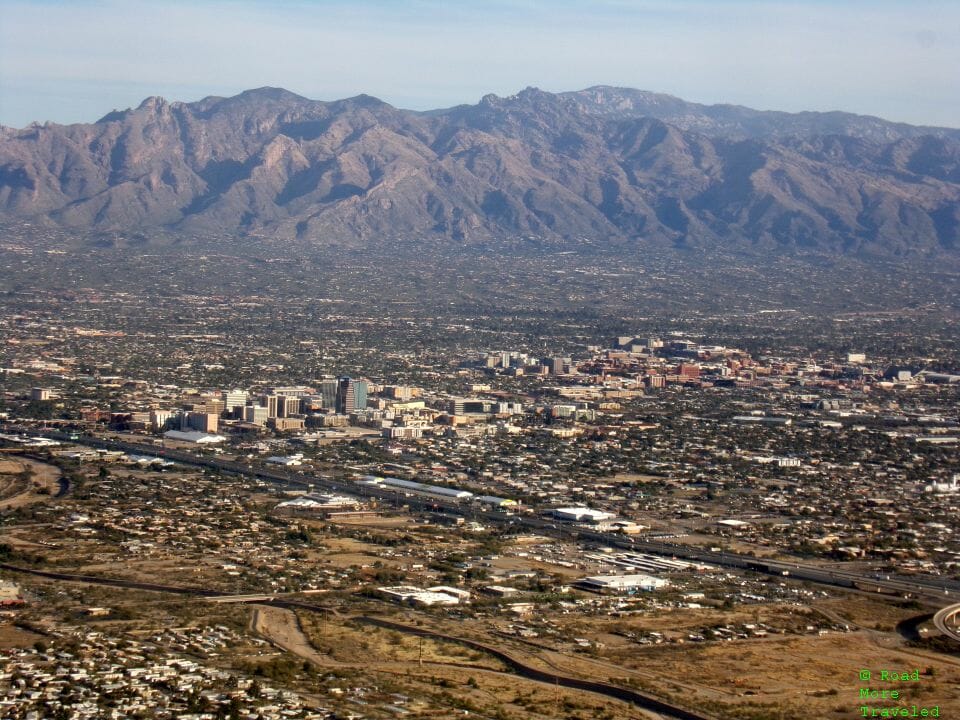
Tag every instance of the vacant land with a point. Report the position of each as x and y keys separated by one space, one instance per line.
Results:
x=24 y=481
x=12 y=636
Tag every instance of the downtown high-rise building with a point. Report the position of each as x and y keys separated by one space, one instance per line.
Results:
x=234 y=401
x=328 y=392
x=351 y=395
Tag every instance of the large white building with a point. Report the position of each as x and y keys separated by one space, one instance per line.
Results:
x=440 y=595
x=581 y=514
x=321 y=502
x=286 y=460
x=621 y=584
x=234 y=398
x=418 y=488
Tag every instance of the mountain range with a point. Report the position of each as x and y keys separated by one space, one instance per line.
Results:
x=601 y=165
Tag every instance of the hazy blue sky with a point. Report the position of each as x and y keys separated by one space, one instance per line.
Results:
x=75 y=60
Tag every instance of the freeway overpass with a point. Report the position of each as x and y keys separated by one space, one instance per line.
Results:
x=944 y=621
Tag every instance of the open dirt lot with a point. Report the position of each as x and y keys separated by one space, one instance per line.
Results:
x=24 y=481
x=12 y=636
x=463 y=680
x=792 y=677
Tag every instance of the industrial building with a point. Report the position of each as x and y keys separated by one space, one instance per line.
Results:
x=418 y=488
x=581 y=514
x=440 y=595
x=620 y=584
x=643 y=561
x=318 y=503
x=286 y=460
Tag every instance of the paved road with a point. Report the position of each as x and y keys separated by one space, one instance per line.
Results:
x=928 y=587
x=943 y=620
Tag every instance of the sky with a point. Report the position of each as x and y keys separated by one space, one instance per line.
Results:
x=76 y=60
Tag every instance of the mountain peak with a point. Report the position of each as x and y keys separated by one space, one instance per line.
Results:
x=269 y=94
x=367 y=101
x=153 y=104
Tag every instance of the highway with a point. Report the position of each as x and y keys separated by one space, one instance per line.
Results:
x=929 y=588
x=942 y=621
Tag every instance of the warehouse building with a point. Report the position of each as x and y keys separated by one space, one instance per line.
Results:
x=440 y=595
x=418 y=488
x=620 y=584
x=581 y=514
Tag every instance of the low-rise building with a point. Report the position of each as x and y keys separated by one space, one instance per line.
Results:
x=621 y=584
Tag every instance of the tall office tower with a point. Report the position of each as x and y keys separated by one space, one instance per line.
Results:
x=558 y=365
x=346 y=395
x=255 y=414
x=688 y=370
x=361 y=388
x=233 y=399
x=328 y=390
x=288 y=406
x=271 y=402
x=204 y=422
x=351 y=395
x=160 y=419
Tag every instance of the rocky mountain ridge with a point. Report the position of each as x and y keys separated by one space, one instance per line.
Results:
x=598 y=165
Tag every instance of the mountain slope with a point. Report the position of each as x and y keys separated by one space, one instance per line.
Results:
x=739 y=123
x=603 y=164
